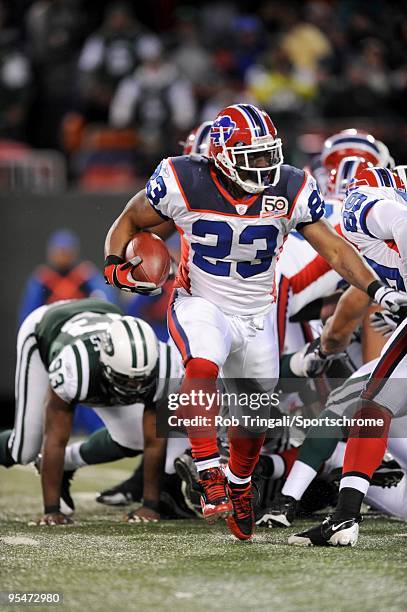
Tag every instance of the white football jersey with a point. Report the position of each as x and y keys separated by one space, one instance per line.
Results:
x=230 y=247
x=374 y=220
x=303 y=276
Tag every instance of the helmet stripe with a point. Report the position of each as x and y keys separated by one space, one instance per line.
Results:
x=354 y=139
x=347 y=169
x=379 y=177
x=132 y=344
x=143 y=339
x=248 y=118
x=261 y=119
x=385 y=176
x=255 y=116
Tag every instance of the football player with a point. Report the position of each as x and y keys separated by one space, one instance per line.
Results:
x=233 y=211
x=307 y=284
x=374 y=219
x=354 y=143
x=323 y=443
x=197 y=141
x=86 y=351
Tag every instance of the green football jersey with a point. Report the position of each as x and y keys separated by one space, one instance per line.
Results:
x=65 y=321
x=69 y=336
x=76 y=374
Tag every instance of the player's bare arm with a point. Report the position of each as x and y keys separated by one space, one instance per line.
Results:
x=58 y=425
x=349 y=313
x=137 y=215
x=342 y=256
x=372 y=341
x=154 y=459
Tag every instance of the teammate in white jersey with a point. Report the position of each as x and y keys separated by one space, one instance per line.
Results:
x=375 y=220
x=233 y=212
x=304 y=276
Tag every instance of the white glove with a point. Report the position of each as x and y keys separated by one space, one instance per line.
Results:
x=385 y=322
x=311 y=362
x=388 y=298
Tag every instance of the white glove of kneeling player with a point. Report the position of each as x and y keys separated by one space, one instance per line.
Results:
x=385 y=322
x=387 y=297
x=311 y=362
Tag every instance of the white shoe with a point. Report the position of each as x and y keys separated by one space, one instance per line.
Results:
x=329 y=533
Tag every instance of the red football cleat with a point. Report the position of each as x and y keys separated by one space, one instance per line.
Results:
x=241 y=523
x=215 y=500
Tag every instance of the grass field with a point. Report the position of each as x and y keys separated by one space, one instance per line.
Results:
x=102 y=564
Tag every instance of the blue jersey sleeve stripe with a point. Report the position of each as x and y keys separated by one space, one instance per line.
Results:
x=362 y=218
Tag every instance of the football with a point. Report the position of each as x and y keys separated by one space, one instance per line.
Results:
x=156 y=260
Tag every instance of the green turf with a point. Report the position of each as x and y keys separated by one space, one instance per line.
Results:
x=102 y=564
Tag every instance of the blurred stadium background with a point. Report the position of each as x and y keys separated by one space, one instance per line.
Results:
x=94 y=94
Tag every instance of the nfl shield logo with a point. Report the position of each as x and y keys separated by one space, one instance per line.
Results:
x=274 y=206
x=241 y=209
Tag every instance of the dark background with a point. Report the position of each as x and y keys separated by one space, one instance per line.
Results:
x=369 y=35
x=26 y=222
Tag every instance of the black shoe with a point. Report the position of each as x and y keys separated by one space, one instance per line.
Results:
x=66 y=502
x=388 y=474
x=172 y=499
x=329 y=533
x=281 y=513
x=186 y=470
x=241 y=522
x=126 y=492
x=261 y=483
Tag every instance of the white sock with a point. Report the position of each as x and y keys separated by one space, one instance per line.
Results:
x=298 y=480
x=235 y=479
x=207 y=463
x=73 y=459
x=279 y=467
x=355 y=482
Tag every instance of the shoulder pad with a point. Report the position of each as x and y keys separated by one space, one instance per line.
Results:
x=295 y=180
x=69 y=373
x=192 y=159
x=290 y=183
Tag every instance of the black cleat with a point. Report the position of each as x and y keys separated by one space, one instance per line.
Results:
x=172 y=499
x=186 y=470
x=261 y=483
x=388 y=474
x=126 y=492
x=281 y=513
x=241 y=522
x=329 y=533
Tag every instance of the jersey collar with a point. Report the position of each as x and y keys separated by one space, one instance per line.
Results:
x=246 y=200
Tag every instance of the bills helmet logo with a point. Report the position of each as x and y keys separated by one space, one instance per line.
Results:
x=222 y=126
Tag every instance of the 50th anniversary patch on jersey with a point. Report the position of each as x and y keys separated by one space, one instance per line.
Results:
x=274 y=206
